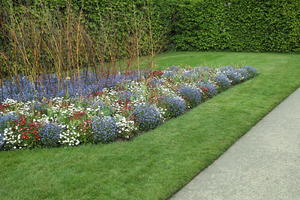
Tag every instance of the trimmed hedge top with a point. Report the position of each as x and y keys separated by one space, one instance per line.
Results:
x=235 y=25
x=238 y=25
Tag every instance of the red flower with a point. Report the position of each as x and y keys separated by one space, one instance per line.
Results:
x=86 y=125
x=3 y=107
x=119 y=101
x=205 y=90
x=96 y=94
x=78 y=115
x=157 y=73
x=128 y=73
x=28 y=130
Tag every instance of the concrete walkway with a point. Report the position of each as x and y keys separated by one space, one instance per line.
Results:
x=263 y=165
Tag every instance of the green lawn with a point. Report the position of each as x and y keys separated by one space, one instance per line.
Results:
x=160 y=162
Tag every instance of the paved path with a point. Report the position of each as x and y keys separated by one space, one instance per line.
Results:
x=263 y=165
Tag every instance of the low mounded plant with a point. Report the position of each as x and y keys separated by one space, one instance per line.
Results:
x=175 y=106
x=208 y=88
x=191 y=94
x=223 y=81
x=234 y=76
x=244 y=73
x=104 y=129
x=50 y=134
x=147 y=116
x=251 y=70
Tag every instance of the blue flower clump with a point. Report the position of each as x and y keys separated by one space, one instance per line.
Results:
x=125 y=95
x=191 y=95
x=211 y=89
x=155 y=82
x=175 y=105
x=198 y=69
x=226 y=68
x=97 y=104
x=169 y=74
x=104 y=129
x=38 y=107
x=4 y=119
x=7 y=118
x=251 y=70
x=234 y=76
x=174 y=68
x=50 y=134
x=147 y=116
x=223 y=81
x=244 y=73
x=188 y=74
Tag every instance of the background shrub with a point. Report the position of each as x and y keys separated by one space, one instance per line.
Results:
x=237 y=25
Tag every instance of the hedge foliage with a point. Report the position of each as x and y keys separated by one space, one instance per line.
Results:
x=236 y=25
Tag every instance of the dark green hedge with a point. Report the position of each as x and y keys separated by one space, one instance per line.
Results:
x=235 y=25
x=238 y=25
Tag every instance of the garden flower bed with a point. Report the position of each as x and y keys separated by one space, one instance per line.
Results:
x=115 y=108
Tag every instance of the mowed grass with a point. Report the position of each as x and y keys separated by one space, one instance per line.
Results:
x=158 y=163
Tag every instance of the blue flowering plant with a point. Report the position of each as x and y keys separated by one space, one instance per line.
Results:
x=174 y=106
x=104 y=129
x=147 y=116
x=50 y=135
x=191 y=94
x=234 y=76
x=222 y=81
x=208 y=89
x=252 y=72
